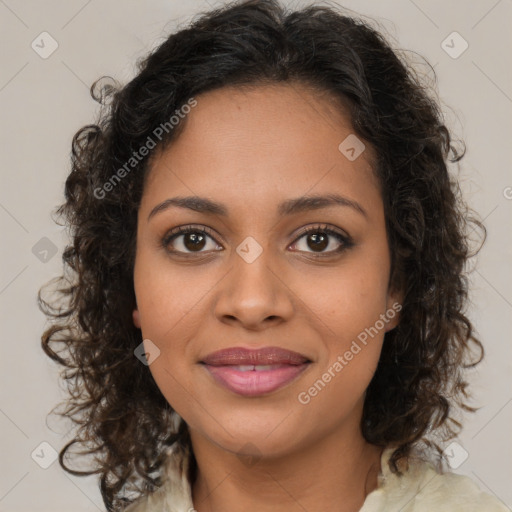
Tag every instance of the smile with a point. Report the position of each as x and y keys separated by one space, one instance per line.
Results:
x=255 y=380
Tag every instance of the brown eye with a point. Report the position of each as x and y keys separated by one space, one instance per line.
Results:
x=194 y=241
x=317 y=239
x=188 y=240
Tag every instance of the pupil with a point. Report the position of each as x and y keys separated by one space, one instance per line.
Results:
x=316 y=241
x=320 y=241
x=193 y=241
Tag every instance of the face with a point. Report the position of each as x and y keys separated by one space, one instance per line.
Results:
x=264 y=267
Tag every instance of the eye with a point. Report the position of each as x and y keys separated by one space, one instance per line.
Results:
x=320 y=238
x=189 y=239
x=194 y=239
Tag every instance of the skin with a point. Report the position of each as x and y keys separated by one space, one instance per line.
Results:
x=252 y=149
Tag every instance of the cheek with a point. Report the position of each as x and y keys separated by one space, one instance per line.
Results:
x=347 y=318
x=348 y=305
x=168 y=305
x=168 y=296
x=348 y=299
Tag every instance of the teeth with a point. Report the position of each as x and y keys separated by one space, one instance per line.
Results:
x=245 y=368
x=249 y=367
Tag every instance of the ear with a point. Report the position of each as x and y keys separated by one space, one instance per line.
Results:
x=393 y=308
x=136 y=318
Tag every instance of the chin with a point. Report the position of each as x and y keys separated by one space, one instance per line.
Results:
x=247 y=436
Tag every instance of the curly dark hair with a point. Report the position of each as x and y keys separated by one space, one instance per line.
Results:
x=123 y=418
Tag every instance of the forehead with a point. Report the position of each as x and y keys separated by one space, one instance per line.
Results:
x=262 y=144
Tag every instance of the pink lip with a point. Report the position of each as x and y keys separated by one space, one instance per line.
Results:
x=265 y=355
x=286 y=366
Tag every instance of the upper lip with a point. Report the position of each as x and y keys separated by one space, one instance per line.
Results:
x=262 y=356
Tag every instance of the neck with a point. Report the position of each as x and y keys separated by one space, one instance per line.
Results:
x=332 y=474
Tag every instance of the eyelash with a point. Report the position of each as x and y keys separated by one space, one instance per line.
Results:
x=345 y=240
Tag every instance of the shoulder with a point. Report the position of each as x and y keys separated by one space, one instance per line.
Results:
x=422 y=488
x=175 y=494
x=453 y=492
x=149 y=503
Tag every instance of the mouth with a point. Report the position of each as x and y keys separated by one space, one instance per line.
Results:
x=255 y=372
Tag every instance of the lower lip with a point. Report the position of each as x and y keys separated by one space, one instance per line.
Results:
x=255 y=382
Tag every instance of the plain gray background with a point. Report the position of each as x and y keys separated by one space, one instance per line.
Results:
x=44 y=101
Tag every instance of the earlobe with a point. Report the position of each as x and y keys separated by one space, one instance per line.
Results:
x=393 y=323
x=394 y=306
x=136 y=318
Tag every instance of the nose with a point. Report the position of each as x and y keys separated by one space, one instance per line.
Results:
x=253 y=294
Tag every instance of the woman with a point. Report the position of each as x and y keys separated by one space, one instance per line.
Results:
x=265 y=310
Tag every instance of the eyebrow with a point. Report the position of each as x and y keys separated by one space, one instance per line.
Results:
x=288 y=207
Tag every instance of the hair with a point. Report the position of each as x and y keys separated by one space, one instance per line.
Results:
x=123 y=418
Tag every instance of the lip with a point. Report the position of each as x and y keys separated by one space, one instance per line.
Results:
x=261 y=356
x=231 y=368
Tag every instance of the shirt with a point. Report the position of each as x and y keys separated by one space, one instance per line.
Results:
x=420 y=489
